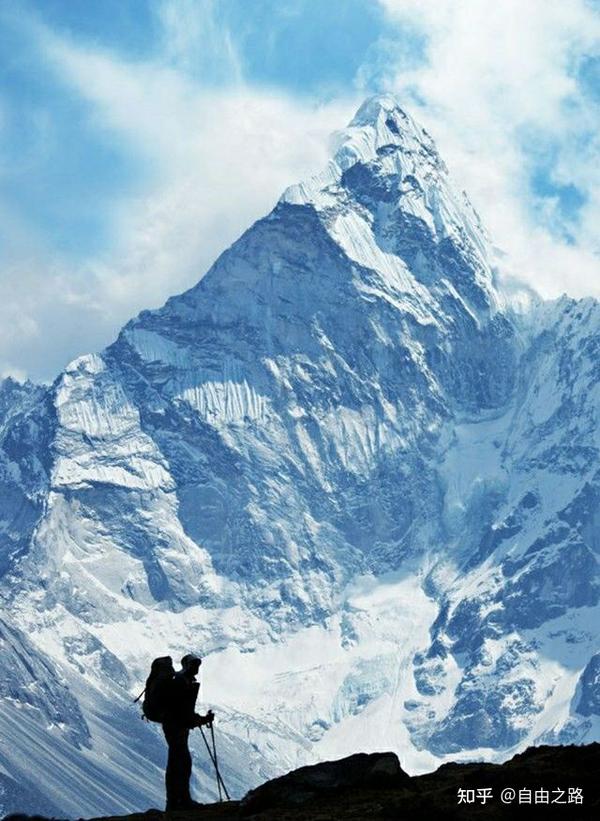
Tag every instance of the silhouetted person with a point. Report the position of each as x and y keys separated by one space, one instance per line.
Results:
x=179 y=718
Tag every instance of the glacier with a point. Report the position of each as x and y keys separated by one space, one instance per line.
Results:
x=347 y=467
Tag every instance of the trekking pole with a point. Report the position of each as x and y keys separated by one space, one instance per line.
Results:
x=215 y=762
x=220 y=782
x=221 y=777
x=212 y=733
x=212 y=759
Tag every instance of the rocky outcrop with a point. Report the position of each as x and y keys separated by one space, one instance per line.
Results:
x=375 y=771
x=541 y=783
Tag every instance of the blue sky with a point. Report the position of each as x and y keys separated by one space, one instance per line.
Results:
x=134 y=138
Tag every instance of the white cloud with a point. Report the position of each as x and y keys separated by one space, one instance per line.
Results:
x=221 y=152
x=219 y=160
x=197 y=42
x=493 y=73
x=15 y=373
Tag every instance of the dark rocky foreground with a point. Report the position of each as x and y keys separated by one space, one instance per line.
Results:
x=541 y=783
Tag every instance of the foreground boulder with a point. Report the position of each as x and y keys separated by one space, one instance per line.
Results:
x=361 y=771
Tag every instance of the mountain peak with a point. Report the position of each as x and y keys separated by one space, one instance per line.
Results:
x=386 y=192
x=380 y=132
x=385 y=110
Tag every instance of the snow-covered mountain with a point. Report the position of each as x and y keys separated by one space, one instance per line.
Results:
x=342 y=468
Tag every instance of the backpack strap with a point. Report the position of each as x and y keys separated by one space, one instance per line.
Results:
x=135 y=700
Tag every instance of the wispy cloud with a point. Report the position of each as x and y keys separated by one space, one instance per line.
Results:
x=198 y=43
x=497 y=86
x=508 y=89
x=218 y=160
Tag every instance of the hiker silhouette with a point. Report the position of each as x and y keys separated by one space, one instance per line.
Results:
x=178 y=718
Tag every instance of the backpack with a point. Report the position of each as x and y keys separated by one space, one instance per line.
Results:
x=156 y=691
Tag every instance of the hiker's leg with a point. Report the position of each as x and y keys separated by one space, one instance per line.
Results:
x=186 y=765
x=170 y=771
x=178 y=770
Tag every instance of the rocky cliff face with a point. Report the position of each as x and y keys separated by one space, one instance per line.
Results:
x=343 y=468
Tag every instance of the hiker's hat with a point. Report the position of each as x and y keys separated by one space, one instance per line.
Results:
x=189 y=660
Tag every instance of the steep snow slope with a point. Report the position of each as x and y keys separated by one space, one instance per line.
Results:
x=343 y=469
